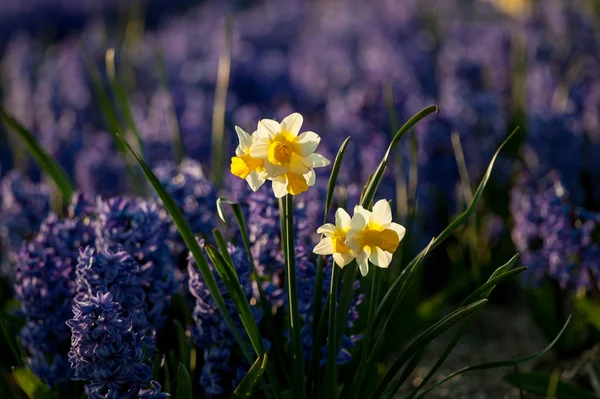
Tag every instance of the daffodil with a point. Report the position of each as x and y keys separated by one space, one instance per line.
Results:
x=245 y=166
x=373 y=236
x=334 y=242
x=289 y=157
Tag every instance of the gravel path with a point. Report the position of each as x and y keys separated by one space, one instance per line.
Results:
x=497 y=333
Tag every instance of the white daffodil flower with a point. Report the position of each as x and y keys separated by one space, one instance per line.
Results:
x=243 y=165
x=289 y=157
x=334 y=242
x=373 y=236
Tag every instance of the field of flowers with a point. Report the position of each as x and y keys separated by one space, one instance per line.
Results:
x=298 y=199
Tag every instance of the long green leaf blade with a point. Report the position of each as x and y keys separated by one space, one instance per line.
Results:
x=498 y=364
x=378 y=175
x=423 y=340
x=456 y=223
x=193 y=246
x=248 y=383
x=228 y=275
x=499 y=275
x=44 y=160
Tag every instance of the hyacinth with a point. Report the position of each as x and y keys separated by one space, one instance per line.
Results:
x=45 y=286
x=120 y=275
x=555 y=238
x=223 y=366
x=24 y=205
x=139 y=228
x=195 y=195
x=107 y=350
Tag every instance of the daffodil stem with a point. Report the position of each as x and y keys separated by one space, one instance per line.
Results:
x=330 y=380
x=290 y=262
x=366 y=349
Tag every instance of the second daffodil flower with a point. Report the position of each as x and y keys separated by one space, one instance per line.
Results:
x=289 y=157
x=373 y=236
x=334 y=242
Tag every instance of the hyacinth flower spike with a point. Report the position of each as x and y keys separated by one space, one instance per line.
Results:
x=373 y=236
x=334 y=242
x=243 y=165
x=289 y=157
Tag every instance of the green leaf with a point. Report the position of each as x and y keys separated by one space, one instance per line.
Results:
x=407 y=278
x=389 y=297
x=335 y=170
x=43 y=159
x=330 y=381
x=248 y=383
x=13 y=343
x=421 y=342
x=184 y=383
x=369 y=193
x=31 y=384
x=270 y=322
x=537 y=383
x=228 y=275
x=498 y=364
x=499 y=275
x=194 y=247
x=183 y=344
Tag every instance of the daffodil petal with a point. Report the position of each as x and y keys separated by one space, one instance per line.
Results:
x=363 y=263
x=296 y=184
x=310 y=178
x=398 y=228
x=359 y=210
x=259 y=149
x=267 y=128
x=382 y=213
x=318 y=160
x=255 y=180
x=307 y=143
x=297 y=165
x=244 y=138
x=279 y=186
x=274 y=170
x=338 y=258
x=327 y=229
x=324 y=247
x=380 y=258
x=342 y=219
x=291 y=124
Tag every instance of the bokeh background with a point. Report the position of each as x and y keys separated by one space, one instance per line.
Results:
x=355 y=68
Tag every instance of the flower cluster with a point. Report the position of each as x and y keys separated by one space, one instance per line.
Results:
x=368 y=237
x=45 y=286
x=107 y=349
x=139 y=228
x=277 y=151
x=555 y=238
